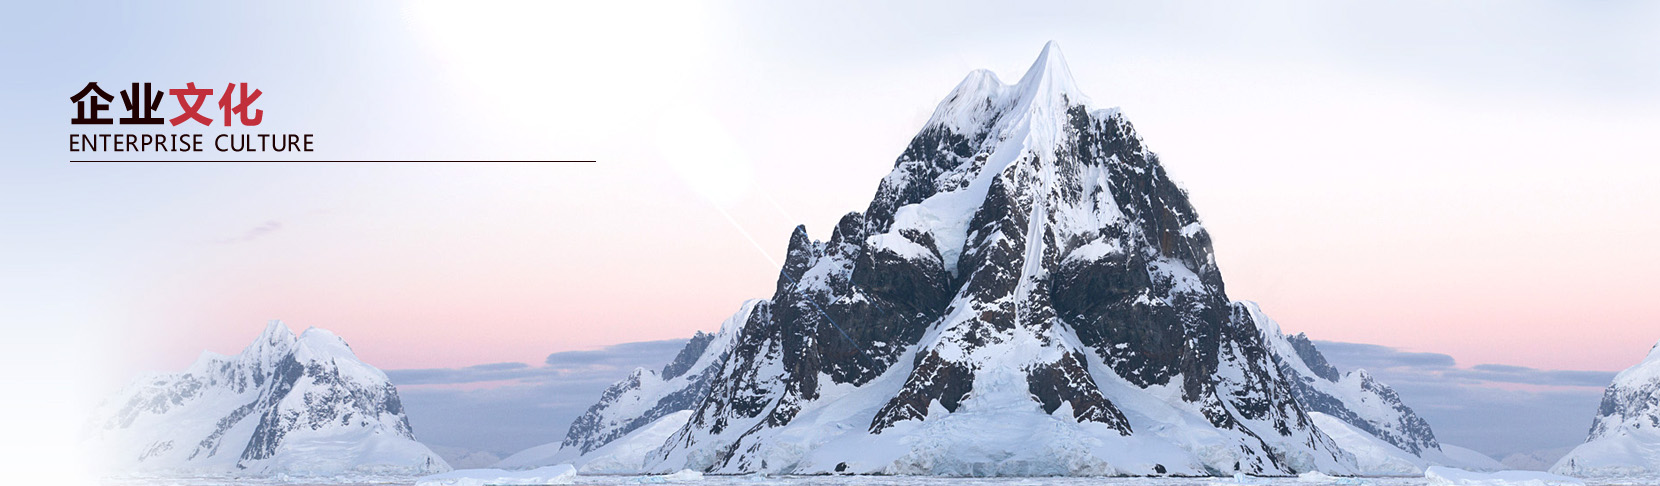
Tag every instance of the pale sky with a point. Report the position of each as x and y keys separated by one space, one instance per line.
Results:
x=1473 y=179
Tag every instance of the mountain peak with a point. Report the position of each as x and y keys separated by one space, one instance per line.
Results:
x=1644 y=372
x=1049 y=77
x=287 y=405
x=982 y=102
x=275 y=330
x=274 y=340
x=324 y=342
x=1028 y=278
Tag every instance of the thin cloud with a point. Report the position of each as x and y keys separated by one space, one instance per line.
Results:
x=625 y=355
x=1372 y=357
x=531 y=405
x=470 y=374
x=612 y=362
x=1479 y=406
x=255 y=233
x=1531 y=376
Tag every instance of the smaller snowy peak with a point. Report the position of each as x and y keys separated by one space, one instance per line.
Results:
x=321 y=343
x=982 y=101
x=1355 y=398
x=205 y=362
x=970 y=102
x=1625 y=435
x=275 y=334
x=1539 y=460
x=286 y=405
x=273 y=343
x=321 y=346
x=1644 y=372
x=645 y=402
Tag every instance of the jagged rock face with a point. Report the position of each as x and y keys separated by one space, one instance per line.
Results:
x=1631 y=402
x=688 y=355
x=1084 y=231
x=601 y=424
x=1355 y=398
x=645 y=396
x=293 y=405
x=1625 y=435
x=1022 y=241
x=1409 y=432
x=1028 y=293
x=1311 y=357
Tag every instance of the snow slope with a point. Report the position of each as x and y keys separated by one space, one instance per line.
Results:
x=1353 y=397
x=1026 y=285
x=1364 y=416
x=650 y=402
x=1028 y=293
x=1466 y=459
x=1625 y=436
x=1446 y=476
x=300 y=406
x=561 y=474
x=1374 y=456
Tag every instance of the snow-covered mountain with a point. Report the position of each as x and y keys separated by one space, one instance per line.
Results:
x=1539 y=460
x=1028 y=293
x=645 y=408
x=1625 y=436
x=1366 y=417
x=300 y=405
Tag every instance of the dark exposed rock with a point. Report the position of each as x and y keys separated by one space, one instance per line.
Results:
x=599 y=425
x=688 y=355
x=1397 y=425
x=1067 y=382
x=1151 y=305
x=1312 y=357
x=1021 y=238
x=934 y=379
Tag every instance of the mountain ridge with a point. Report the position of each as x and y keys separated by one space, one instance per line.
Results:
x=1028 y=293
x=1624 y=439
x=296 y=405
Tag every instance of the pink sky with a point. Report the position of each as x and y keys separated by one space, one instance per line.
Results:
x=1478 y=201
x=1475 y=178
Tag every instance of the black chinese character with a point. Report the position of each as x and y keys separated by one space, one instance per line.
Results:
x=81 y=117
x=142 y=109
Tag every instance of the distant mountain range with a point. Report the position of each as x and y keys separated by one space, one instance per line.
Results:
x=1027 y=293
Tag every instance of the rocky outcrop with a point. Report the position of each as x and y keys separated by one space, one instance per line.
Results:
x=1028 y=293
x=1355 y=397
x=1625 y=435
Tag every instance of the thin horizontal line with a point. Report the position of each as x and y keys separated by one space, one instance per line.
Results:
x=333 y=161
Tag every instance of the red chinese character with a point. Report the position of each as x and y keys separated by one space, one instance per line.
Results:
x=191 y=109
x=241 y=107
